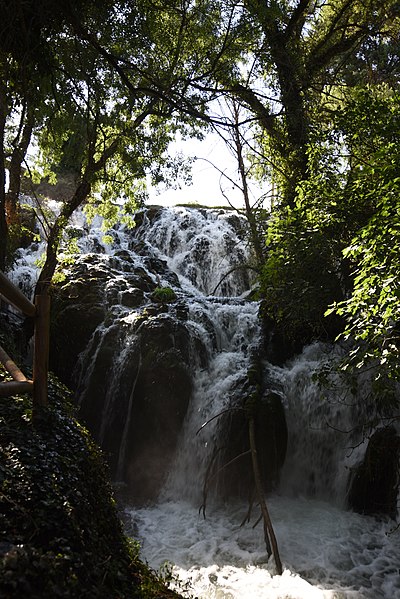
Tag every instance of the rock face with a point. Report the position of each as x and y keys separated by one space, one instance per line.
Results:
x=374 y=483
x=136 y=395
x=130 y=340
x=78 y=307
x=133 y=376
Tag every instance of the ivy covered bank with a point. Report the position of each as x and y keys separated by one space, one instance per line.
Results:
x=60 y=535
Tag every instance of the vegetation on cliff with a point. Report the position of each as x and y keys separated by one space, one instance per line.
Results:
x=59 y=527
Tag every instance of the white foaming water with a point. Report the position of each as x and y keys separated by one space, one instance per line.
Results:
x=202 y=246
x=326 y=552
x=324 y=442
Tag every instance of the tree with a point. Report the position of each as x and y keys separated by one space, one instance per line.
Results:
x=293 y=51
x=302 y=65
x=117 y=91
x=372 y=308
x=26 y=66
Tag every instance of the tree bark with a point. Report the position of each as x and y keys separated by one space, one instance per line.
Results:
x=268 y=528
x=15 y=167
x=3 y=221
x=254 y=233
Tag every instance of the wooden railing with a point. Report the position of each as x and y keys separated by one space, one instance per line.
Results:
x=40 y=312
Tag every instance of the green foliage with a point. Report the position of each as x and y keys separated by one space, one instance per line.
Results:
x=336 y=252
x=339 y=242
x=164 y=295
x=299 y=278
x=60 y=533
x=296 y=51
x=372 y=310
x=107 y=105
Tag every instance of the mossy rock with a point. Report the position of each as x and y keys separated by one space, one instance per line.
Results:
x=164 y=295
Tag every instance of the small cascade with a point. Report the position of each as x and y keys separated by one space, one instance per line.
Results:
x=325 y=436
x=206 y=247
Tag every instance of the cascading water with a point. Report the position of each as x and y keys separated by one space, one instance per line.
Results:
x=209 y=336
x=327 y=552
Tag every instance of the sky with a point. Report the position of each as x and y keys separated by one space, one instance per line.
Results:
x=207 y=180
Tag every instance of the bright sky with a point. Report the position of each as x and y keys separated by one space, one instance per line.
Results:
x=207 y=180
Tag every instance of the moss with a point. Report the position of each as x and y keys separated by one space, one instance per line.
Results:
x=164 y=295
x=59 y=529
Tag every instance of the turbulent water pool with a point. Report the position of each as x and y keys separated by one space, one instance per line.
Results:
x=326 y=552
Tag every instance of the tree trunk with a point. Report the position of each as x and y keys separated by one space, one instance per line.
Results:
x=291 y=85
x=269 y=534
x=256 y=240
x=3 y=221
x=15 y=168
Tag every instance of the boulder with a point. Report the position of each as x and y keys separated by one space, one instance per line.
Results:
x=136 y=397
x=374 y=484
x=77 y=308
x=96 y=289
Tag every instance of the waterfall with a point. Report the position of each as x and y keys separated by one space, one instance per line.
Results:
x=161 y=386
x=325 y=440
x=328 y=552
x=236 y=329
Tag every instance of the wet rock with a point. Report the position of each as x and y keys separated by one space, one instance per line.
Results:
x=133 y=298
x=136 y=398
x=78 y=307
x=374 y=484
x=282 y=342
x=278 y=347
x=72 y=330
x=162 y=396
x=96 y=289
x=15 y=332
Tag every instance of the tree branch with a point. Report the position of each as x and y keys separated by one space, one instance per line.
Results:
x=297 y=20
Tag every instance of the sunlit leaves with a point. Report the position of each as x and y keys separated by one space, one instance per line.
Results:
x=372 y=309
x=345 y=227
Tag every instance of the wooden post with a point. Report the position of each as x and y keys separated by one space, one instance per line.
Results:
x=15 y=296
x=41 y=351
x=12 y=368
x=13 y=387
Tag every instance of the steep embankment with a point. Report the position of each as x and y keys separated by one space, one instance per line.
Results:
x=60 y=535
